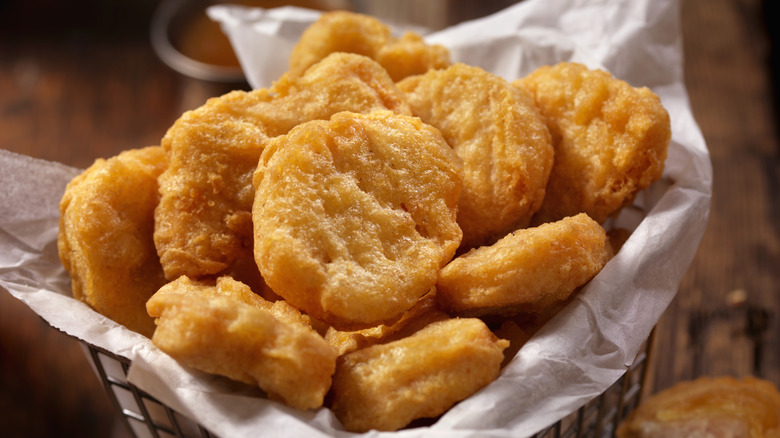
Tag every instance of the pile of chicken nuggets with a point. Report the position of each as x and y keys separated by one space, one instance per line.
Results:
x=363 y=233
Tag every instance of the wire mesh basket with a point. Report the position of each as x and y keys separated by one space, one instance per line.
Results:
x=146 y=417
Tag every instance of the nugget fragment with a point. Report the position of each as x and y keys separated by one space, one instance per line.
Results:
x=410 y=55
x=203 y=224
x=708 y=407
x=530 y=269
x=380 y=193
x=342 y=31
x=420 y=315
x=226 y=329
x=105 y=235
x=610 y=139
x=386 y=386
x=499 y=134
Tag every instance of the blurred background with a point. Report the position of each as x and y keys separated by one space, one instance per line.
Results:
x=81 y=80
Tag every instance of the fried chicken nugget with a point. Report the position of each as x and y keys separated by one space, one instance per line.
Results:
x=530 y=269
x=342 y=31
x=380 y=193
x=386 y=386
x=228 y=330
x=105 y=236
x=499 y=134
x=203 y=223
x=610 y=139
x=708 y=407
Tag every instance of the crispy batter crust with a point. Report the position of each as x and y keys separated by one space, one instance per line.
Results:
x=380 y=193
x=708 y=406
x=105 y=235
x=386 y=386
x=421 y=314
x=530 y=269
x=203 y=223
x=226 y=329
x=502 y=139
x=610 y=139
x=349 y=32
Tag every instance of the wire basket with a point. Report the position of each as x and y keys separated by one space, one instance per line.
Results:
x=146 y=417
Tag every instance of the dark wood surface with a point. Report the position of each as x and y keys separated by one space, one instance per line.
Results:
x=79 y=80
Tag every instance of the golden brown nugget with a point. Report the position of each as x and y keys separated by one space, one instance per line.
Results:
x=610 y=139
x=342 y=31
x=410 y=55
x=420 y=315
x=228 y=330
x=380 y=193
x=386 y=386
x=105 y=236
x=502 y=139
x=535 y=266
x=708 y=407
x=203 y=222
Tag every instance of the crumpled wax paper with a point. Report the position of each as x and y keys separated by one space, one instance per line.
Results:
x=576 y=356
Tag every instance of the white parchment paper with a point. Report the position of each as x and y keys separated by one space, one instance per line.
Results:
x=575 y=357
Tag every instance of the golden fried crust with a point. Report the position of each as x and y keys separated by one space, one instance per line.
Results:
x=386 y=386
x=338 y=31
x=354 y=216
x=421 y=314
x=410 y=55
x=105 y=235
x=228 y=330
x=532 y=268
x=610 y=139
x=502 y=139
x=203 y=222
x=340 y=82
x=349 y=32
x=720 y=406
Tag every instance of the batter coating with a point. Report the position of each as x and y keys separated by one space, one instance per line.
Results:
x=530 y=269
x=226 y=329
x=420 y=315
x=610 y=139
x=203 y=223
x=105 y=236
x=386 y=386
x=381 y=193
x=349 y=32
x=502 y=139
x=708 y=407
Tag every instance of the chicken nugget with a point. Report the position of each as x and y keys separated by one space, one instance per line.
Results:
x=105 y=236
x=354 y=216
x=203 y=224
x=342 y=31
x=502 y=139
x=529 y=269
x=228 y=330
x=610 y=139
x=410 y=55
x=386 y=386
x=708 y=407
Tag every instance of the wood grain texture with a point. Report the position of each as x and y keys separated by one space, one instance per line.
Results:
x=725 y=319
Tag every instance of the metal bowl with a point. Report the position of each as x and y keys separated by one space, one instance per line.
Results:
x=168 y=23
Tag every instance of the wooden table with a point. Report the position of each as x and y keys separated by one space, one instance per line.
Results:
x=82 y=82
